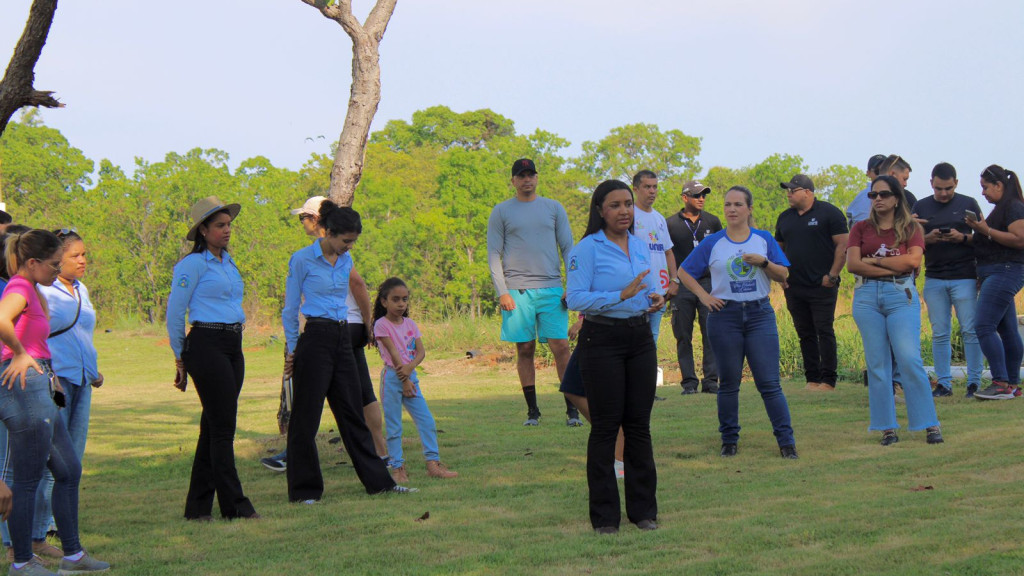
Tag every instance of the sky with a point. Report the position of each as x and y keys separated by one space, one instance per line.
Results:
x=831 y=81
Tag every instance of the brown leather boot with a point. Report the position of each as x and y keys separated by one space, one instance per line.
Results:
x=399 y=475
x=435 y=469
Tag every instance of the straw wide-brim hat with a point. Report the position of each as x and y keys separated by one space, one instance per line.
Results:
x=204 y=208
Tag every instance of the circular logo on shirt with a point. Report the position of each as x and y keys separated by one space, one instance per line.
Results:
x=738 y=269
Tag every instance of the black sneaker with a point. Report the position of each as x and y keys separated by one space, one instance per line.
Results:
x=997 y=391
x=572 y=418
x=889 y=438
x=941 y=391
x=971 y=389
x=728 y=450
x=709 y=389
x=532 y=417
x=935 y=436
x=274 y=464
x=789 y=452
x=689 y=391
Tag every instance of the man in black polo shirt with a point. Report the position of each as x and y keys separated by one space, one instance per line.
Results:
x=687 y=228
x=813 y=235
x=950 y=276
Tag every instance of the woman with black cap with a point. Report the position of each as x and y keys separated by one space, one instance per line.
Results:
x=208 y=288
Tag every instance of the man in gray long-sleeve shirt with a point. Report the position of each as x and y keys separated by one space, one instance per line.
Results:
x=528 y=239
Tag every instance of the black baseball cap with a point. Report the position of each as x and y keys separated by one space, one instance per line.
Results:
x=875 y=160
x=798 y=181
x=694 y=189
x=523 y=165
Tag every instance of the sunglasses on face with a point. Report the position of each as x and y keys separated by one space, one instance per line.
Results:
x=883 y=194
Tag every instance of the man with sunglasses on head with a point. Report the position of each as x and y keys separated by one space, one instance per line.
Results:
x=950 y=276
x=688 y=228
x=813 y=235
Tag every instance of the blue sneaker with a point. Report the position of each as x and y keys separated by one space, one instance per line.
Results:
x=971 y=389
x=941 y=391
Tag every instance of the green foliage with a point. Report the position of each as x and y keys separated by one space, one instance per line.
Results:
x=427 y=190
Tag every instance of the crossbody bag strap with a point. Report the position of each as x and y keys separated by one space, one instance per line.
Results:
x=73 y=322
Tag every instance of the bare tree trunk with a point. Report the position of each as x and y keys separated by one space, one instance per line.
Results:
x=16 y=88
x=365 y=94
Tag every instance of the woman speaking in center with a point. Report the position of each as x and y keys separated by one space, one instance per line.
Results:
x=618 y=360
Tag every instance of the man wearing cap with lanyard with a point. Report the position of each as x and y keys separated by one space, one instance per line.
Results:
x=813 y=235
x=687 y=228
x=528 y=239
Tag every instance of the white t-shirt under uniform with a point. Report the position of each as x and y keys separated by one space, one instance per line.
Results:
x=653 y=230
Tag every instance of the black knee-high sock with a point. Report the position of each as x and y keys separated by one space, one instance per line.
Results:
x=569 y=406
x=530 y=393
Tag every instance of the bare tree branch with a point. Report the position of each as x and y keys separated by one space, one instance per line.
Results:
x=16 y=88
x=365 y=94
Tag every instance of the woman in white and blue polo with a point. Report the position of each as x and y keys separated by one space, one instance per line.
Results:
x=741 y=323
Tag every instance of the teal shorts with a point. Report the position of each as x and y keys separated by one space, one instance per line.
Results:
x=539 y=315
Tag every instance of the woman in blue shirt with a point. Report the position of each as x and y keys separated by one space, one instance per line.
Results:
x=208 y=288
x=72 y=322
x=741 y=322
x=321 y=361
x=618 y=360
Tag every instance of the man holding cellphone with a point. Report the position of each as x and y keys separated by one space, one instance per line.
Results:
x=950 y=275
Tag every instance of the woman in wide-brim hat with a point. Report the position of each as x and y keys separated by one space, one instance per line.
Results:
x=208 y=288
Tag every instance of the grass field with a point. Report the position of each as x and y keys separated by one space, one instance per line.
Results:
x=519 y=506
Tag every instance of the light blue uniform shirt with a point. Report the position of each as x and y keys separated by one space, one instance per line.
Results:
x=315 y=288
x=599 y=270
x=210 y=290
x=859 y=208
x=72 y=353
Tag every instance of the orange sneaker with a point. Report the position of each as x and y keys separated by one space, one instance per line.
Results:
x=399 y=475
x=437 y=470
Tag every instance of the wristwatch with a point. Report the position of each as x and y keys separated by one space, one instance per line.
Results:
x=677 y=281
x=764 y=264
x=834 y=280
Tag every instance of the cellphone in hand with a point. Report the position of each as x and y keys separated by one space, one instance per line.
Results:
x=944 y=230
x=971 y=215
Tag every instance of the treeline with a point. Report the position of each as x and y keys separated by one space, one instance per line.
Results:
x=427 y=190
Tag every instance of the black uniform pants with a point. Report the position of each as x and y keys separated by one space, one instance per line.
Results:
x=214 y=360
x=813 y=309
x=325 y=367
x=620 y=370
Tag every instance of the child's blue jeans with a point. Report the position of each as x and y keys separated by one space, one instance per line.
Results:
x=392 y=400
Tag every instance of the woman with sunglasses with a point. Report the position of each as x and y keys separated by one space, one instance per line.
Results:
x=36 y=434
x=885 y=252
x=743 y=262
x=208 y=288
x=999 y=248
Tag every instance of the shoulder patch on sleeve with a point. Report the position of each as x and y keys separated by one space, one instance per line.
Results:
x=573 y=264
x=184 y=281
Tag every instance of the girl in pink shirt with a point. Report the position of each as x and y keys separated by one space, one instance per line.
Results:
x=401 y=347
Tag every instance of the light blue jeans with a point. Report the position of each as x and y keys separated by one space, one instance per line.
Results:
x=655 y=319
x=392 y=401
x=888 y=315
x=942 y=297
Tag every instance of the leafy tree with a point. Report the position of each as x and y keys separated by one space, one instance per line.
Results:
x=634 y=147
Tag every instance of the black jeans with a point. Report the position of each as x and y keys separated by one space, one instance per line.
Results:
x=325 y=367
x=814 y=310
x=214 y=360
x=686 y=307
x=620 y=370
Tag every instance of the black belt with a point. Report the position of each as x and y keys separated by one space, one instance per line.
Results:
x=606 y=321
x=325 y=322
x=894 y=278
x=236 y=327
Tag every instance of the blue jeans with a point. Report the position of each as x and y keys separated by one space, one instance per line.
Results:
x=888 y=315
x=942 y=296
x=655 y=318
x=748 y=330
x=42 y=513
x=38 y=440
x=995 y=320
x=392 y=400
